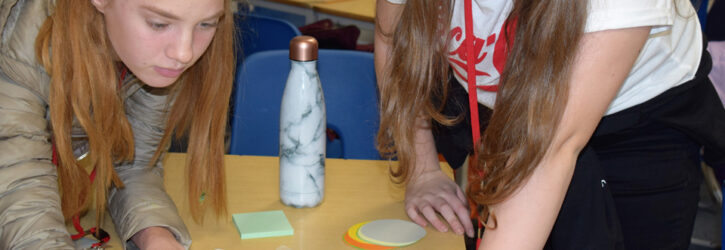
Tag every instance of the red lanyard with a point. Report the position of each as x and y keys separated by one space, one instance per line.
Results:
x=473 y=104
x=101 y=235
x=471 y=73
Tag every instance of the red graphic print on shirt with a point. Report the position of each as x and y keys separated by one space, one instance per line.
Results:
x=459 y=57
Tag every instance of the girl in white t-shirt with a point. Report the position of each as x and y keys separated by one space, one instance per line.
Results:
x=590 y=118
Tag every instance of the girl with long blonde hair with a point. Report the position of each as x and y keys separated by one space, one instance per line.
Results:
x=113 y=80
x=582 y=121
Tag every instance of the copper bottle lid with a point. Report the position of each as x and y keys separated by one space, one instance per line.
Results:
x=303 y=48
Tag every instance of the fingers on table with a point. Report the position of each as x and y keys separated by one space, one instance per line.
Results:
x=463 y=213
x=430 y=214
x=412 y=211
x=449 y=207
x=459 y=216
x=461 y=196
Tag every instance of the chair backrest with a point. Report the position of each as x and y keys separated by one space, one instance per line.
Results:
x=259 y=33
x=350 y=91
x=701 y=6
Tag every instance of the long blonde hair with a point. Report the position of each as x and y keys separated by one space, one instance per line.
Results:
x=533 y=90
x=84 y=86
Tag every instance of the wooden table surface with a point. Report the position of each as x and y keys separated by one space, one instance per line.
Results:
x=362 y=10
x=304 y=3
x=355 y=191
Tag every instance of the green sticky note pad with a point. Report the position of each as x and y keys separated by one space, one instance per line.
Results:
x=262 y=224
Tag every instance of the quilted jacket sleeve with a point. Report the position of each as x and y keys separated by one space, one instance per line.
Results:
x=143 y=202
x=30 y=213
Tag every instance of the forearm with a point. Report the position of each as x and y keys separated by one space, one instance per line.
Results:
x=143 y=202
x=426 y=155
x=604 y=60
x=430 y=192
x=30 y=211
x=532 y=210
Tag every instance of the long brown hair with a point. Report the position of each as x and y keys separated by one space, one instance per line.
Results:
x=84 y=86
x=417 y=66
x=532 y=94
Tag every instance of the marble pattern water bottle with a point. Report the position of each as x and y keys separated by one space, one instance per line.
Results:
x=302 y=129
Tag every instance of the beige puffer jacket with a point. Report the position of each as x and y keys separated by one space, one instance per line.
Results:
x=30 y=213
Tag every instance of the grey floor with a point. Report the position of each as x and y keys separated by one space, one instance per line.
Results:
x=707 y=232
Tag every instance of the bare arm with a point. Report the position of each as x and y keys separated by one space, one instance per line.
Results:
x=604 y=60
x=429 y=191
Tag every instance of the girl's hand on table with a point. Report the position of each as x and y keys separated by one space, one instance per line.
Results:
x=432 y=192
x=154 y=238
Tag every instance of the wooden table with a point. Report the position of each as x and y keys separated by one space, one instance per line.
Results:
x=355 y=191
x=361 y=10
x=297 y=8
x=360 y=13
x=303 y=3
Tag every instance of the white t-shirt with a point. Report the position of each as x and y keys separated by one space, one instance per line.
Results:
x=669 y=58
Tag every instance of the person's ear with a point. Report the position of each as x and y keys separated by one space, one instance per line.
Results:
x=100 y=5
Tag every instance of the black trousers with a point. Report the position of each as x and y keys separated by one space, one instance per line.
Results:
x=636 y=183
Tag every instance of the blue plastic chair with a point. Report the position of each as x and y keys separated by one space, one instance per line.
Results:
x=259 y=33
x=349 y=87
x=293 y=17
x=701 y=8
